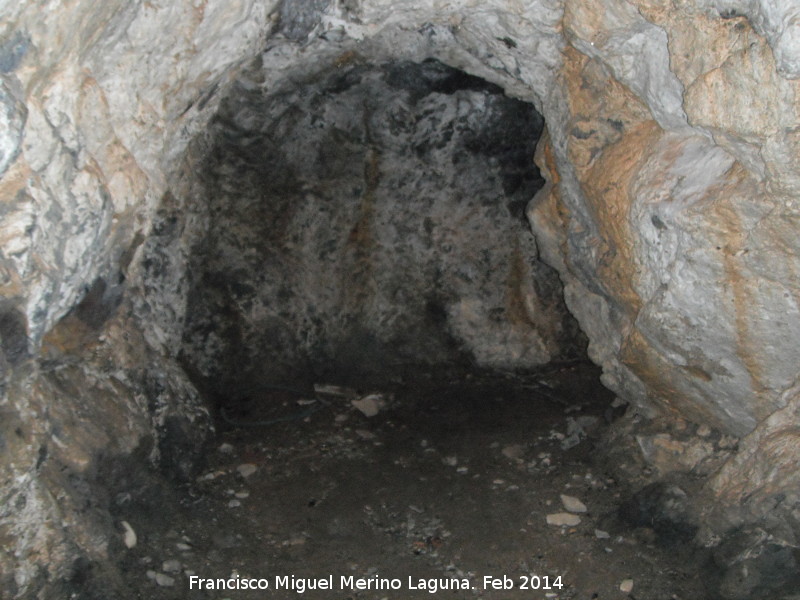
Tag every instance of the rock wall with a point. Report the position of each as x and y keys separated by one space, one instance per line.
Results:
x=369 y=217
x=671 y=213
x=96 y=101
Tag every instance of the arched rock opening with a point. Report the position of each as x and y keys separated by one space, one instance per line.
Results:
x=366 y=218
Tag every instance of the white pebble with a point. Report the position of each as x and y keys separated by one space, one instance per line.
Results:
x=234 y=504
x=601 y=535
x=242 y=495
x=246 y=469
x=129 y=537
x=171 y=566
x=626 y=587
x=369 y=405
x=572 y=504
x=226 y=448
x=563 y=519
x=164 y=580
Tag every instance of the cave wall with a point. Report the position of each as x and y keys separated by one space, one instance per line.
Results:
x=96 y=100
x=670 y=214
x=367 y=217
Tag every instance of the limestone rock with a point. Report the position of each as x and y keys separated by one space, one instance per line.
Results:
x=573 y=504
x=563 y=519
x=12 y=122
x=670 y=213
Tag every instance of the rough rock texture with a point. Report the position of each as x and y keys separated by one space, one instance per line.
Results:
x=95 y=101
x=371 y=216
x=671 y=211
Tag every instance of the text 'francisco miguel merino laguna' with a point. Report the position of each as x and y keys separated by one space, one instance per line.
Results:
x=346 y=583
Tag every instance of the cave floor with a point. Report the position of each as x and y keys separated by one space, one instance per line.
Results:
x=453 y=478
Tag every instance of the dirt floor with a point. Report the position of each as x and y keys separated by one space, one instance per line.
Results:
x=449 y=485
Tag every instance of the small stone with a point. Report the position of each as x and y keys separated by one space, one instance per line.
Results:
x=129 y=537
x=150 y=574
x=365 y=434
x=626 y=587
x=563 y=519
x=234 y=504
x=369 y=405
x=572 y=504
x=514 y=451
x=333 y=390
x=704 y=431
x=164 y=580
x=601 y=535
x=171 y=566
x=183 y=547
x=242 y=495
x=246 y=469
x=450 y=461
x=226 y=448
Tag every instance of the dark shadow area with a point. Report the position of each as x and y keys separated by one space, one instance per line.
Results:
x=364 y=224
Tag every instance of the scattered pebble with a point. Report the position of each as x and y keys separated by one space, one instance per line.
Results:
x=626 y=587
x=171 y=566
x=242 y=495
x=226 y=448
x=572 y=504
x=369 y=405
x=246 y=469
x=601 y=535
x=164 y=580
x=129 y=537
x=704 y=431
x=183 y=546
x=563 y=519
x=462 y=470
x=450 y=461
x=210 y=476
x=513 y=451
x=365 y=434
x=333 y=390
x=234 y=504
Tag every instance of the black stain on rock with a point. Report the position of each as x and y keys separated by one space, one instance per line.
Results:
x=13 y=335
x=433 y=76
